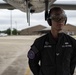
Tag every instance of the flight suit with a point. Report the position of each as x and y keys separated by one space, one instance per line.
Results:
x=50 y=56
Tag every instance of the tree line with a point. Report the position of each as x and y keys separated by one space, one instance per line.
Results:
x=9 y=31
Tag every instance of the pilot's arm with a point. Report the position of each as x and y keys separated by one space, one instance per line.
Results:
x=73 y=59
x=33 y=60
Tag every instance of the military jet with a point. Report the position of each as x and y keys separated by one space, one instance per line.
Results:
x=36 y=6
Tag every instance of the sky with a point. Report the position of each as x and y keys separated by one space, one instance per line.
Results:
x=19 y=20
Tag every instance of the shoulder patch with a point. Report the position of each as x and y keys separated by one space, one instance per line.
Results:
x=31 y=54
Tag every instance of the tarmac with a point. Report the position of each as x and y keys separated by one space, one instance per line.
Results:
x=13 y=54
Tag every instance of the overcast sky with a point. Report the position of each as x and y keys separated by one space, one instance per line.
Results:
x=19 y=18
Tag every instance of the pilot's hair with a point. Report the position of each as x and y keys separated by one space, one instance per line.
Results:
x=55 y=9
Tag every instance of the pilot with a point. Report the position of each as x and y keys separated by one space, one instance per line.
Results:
x=55 y=52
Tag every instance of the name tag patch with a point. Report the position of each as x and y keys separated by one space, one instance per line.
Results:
x=66 y=44
x=47 y=46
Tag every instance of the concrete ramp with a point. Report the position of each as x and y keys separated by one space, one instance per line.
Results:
x=17 y=67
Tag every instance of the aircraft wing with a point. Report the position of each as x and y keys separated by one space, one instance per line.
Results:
x=67 y=5
x=6 y=6
x=38 y=5
x=34 y=5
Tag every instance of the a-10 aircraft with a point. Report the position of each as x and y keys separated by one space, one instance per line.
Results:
x=36 y=6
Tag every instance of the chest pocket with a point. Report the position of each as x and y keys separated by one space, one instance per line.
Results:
x=48 y=54
x=67 y=48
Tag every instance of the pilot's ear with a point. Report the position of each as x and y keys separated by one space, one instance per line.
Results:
x=49 y=21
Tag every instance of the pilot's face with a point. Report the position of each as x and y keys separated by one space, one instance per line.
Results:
x=58 y=20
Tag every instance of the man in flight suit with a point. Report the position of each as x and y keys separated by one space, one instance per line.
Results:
x=55 y=52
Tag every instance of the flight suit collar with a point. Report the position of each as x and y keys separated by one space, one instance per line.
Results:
x=52 y=40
